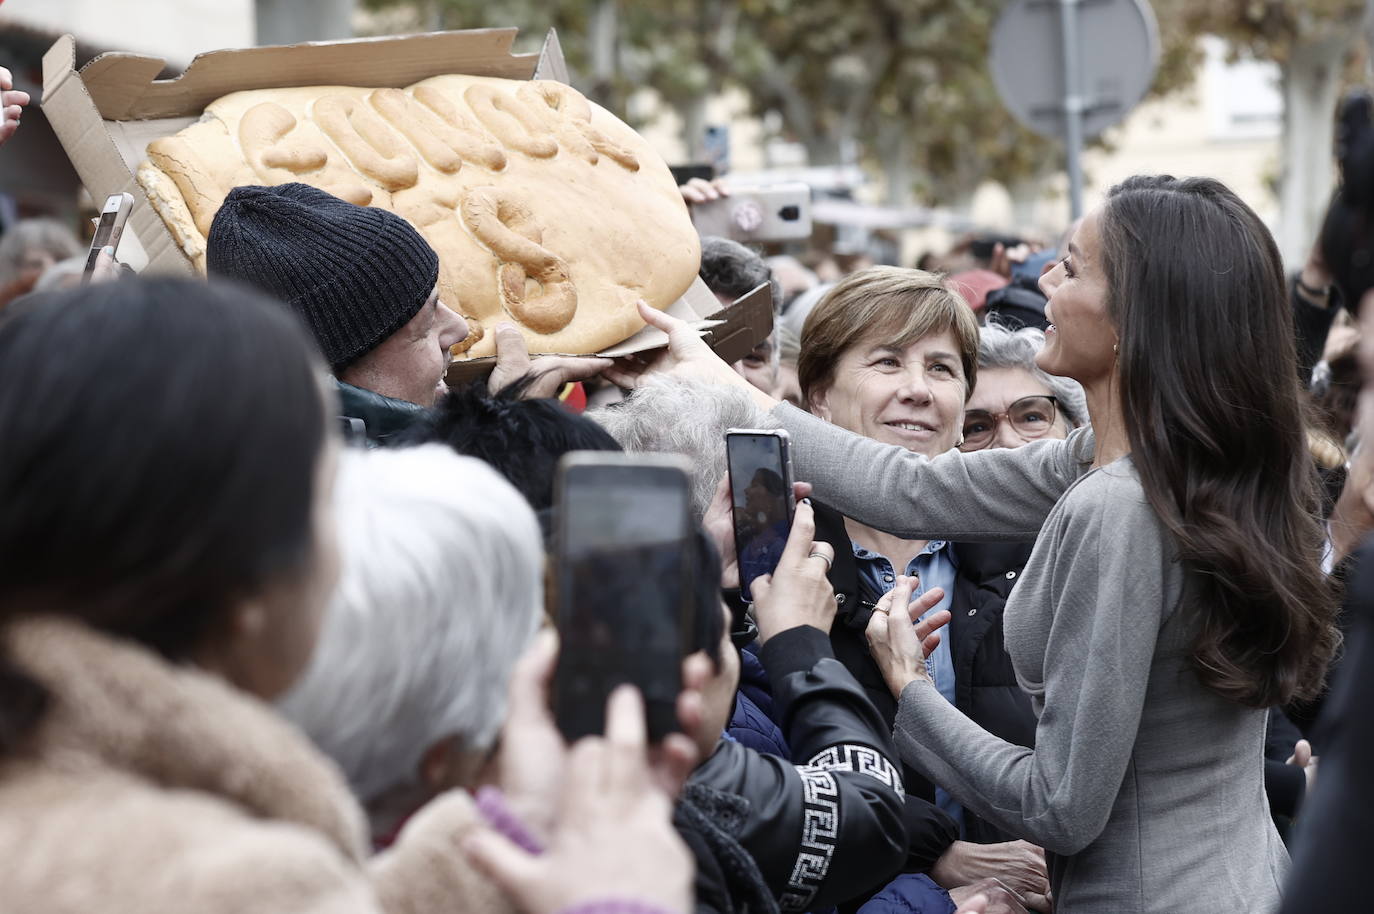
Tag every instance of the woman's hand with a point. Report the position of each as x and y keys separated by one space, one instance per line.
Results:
x=700 y=190
x=799 y=591
x=687 y=356
x=532 y=767
x=1017 y=865
x=1302 y=757
x=899 y=648
x=613 y=838
x=12 y=102
x=719 y=522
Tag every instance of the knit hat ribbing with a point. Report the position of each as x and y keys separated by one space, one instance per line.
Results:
x=355 y=274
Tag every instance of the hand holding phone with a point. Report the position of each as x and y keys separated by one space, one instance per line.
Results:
x=799 y=591
x=113 y=215
x=779 y=212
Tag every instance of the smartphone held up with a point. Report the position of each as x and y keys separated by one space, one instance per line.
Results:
x=762 y=502
x=622 y=585
x=113 y=215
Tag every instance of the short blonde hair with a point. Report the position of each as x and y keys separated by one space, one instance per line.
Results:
x=899 y=306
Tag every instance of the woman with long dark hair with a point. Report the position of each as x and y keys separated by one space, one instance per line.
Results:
x=1175 y=589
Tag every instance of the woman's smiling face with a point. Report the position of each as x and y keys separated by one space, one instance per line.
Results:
x=1079 y=341
x=911 y=395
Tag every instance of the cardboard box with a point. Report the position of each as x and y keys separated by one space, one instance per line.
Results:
x=106 y=114
x=738 y=328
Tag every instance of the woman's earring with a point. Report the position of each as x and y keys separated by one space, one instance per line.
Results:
x=1114 y=347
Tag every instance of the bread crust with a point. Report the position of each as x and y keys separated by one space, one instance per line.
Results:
x=546 y=210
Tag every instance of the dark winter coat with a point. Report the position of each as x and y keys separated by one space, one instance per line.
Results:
x=985 y=684
x=801 y=834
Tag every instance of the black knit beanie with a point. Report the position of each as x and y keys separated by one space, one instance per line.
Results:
x=355 y=274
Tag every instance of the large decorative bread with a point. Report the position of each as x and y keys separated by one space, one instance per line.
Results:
x=544 y=208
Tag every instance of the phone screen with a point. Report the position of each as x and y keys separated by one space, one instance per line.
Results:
x=622 y=585
x=761 y=497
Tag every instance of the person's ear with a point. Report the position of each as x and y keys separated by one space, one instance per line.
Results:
x=248 y=621
x=818 y=403
x=434 y=764
x=446 y=765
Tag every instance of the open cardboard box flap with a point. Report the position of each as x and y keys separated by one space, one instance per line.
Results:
x=106 y=114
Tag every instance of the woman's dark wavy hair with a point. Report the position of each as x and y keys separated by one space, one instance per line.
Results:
x=1217 y=430
x=161 y=440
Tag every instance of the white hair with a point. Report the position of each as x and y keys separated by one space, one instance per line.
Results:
x=439 y=594
x=1003 y=347
x=680 y=416
x=65 y=274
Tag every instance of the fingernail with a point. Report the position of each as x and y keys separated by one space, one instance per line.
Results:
x=806 y=501
x=108 y=249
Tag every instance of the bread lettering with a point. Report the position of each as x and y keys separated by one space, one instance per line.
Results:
x=545 y=210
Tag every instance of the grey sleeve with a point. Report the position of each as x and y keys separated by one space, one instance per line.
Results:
x=1109 y=595
x=993 y=495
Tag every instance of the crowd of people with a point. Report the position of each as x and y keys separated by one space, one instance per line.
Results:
x=1058 y=624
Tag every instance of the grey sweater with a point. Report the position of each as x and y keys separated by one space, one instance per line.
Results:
x=1145 y=789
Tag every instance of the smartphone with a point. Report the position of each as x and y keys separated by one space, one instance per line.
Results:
x=622 y=588
x=760 y=464
x=778 y=212
x=107 y=231
x=982 y=248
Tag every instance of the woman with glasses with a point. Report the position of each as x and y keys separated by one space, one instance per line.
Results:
x=1175 y=591
x=891 y=354
x=1015 y=401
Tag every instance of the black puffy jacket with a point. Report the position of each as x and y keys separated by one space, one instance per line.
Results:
x=984 y=681
x=801 y=834
x=383 y=419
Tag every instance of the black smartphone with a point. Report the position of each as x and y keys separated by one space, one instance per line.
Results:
x=982 y=248
x=760 y=465
x=623 y=531
x=108 y=230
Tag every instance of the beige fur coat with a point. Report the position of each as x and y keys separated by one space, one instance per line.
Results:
x=155 y=788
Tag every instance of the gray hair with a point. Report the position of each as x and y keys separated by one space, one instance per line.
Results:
x=440 y=593
x=795 y=316
x=789 y=344
x=681 y=416
x=46 y=234
x=65 y=274
x=1002 y=347
x=731 y=269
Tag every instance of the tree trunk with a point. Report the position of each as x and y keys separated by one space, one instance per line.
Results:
x=603 y=36
x=898 y=164
x=693 y=114
x=1369 y=40
x=1311 y=83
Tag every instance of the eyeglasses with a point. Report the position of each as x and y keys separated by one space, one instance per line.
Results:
x=1030 y=417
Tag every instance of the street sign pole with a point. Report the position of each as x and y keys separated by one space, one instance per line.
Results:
x=1074 y=103
x=1069 y=69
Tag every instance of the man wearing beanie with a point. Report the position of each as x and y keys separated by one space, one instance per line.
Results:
x=363 y=280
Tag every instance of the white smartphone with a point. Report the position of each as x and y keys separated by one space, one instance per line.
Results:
x=779 y=212
x=108 y=230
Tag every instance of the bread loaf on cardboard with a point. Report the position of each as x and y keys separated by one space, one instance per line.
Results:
x=545 y=209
